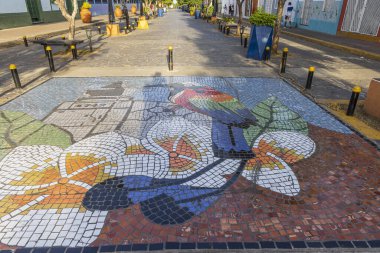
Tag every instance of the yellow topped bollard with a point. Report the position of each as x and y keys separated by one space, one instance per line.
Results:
x=50 y=58
x=48 y=48
x=310 y=77
x=311 y=69
x=283 y=60
x=25 y=41
x=74 y=52
x=286 y=50
x=15 y=76
x=353 y=100
x=170 y=48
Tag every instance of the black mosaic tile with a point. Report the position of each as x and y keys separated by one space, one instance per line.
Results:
x=331 y=244
x=204 y=245
x=299 y=244
x=283 y=245
x=23 y=250
x=374 y=243
x=156 y=246
x=140 y=247
x=252 y=245
x=57 y=249
x=40 y=250
x=235 y=245
x=360 y=244
x=219 y=245
x=90 y=249
x=108 y=248
x=172 y=245
x=123 y=247
x=188 y=245
x=345 y=244
x=314 y=244
x=267 y=245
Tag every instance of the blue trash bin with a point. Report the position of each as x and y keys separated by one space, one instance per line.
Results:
x=197 y=14
x=160 y=12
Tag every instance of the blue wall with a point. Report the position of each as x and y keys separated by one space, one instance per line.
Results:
x=102 y=9
x=321 y=21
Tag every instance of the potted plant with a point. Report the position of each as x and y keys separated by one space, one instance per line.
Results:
x=133 y=9
x=209 y=11
x=118 y=12
x=85 y=13
x=192 y=10
x=261 y=34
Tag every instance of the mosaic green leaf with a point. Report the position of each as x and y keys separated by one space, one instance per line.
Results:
x=18 y=128
x=272 y=116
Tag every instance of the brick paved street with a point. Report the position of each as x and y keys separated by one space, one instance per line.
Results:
x=218 y=154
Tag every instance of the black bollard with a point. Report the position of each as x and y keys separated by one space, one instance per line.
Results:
x=133 y=26
x=25 y=41
x=15 y=76
x=245 y=42
x=74 y=52
x=267 y=54
x=126 y=30
x=310 y=78
x=63 y=37
x=130 y=28
x=170 y=58
x=353 y=101
x=284 y=58
x=99 y=29
x=224 y=29
x=46 y=53
x=50 y=58
x=228 y=31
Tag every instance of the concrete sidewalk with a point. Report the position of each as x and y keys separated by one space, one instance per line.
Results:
x=13 y=36
x=363 y=48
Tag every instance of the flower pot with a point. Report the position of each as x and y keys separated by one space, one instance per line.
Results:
x=192 y=13
x=118 y=13
x=197 y=14
x=261 y=37
x=133 y=9
x=85 y=15
x=160 y=12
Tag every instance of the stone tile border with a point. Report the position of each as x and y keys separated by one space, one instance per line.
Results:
x=176 y=246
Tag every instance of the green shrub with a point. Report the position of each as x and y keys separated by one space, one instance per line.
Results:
x=260 y=18
x=228 y=20
x=192 y=9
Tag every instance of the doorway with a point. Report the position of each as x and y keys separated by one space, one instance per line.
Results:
x=34 y=9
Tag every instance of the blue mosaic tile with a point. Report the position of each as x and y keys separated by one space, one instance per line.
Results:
x=6 y=251
x=123 y=247
x=374 y=243
x=345 y=244
x=360 y=244
x=283 y=245
x=40 y=250
x=57 y=249
x=204 y=245
x=90 y=249
x=299 y=244
x=235 y=245
x=331 y=244
x=156 y=246
x=172 y=245
x=251 y=245
x=139 y=247
x=219 y=245
x=107 y=248
x=188 y=245
x=314 y=244
x=23 y=250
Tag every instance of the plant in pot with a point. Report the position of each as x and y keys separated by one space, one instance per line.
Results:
x=192 y=10
x=133 y=9
x=261 y=34
x=85 y=13
x=118 y=12
x=209 y=11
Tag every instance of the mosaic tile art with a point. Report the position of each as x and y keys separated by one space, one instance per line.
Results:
x=136 y=160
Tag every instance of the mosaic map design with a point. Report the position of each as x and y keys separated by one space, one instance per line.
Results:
x=162 y=152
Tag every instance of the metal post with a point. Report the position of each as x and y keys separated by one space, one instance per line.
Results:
x=284 y=58
x=310 y=78
x=50 y=58
x=245 y=42
x=353 y=101
x=228 y=30
x=133 y=26
x=63 y=37
x=90 y=43
x=129 y=28
x=74 y=52
x=170 y=58
x=99 y=29
x=46 y=53
x=126 y=30
x=25 y=41
x=15 y=76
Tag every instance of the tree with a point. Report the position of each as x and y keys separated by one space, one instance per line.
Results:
x=70 y=18
x=276 y=32
x=240 y=18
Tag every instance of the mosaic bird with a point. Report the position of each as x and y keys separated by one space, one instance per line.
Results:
x=229 y=118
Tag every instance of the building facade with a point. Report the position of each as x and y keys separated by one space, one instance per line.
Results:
x=16 y=13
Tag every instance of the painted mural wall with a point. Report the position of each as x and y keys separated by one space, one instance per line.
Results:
x=319 y=15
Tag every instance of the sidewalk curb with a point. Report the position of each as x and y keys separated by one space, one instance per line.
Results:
x=352 y=50
x=46 y=35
